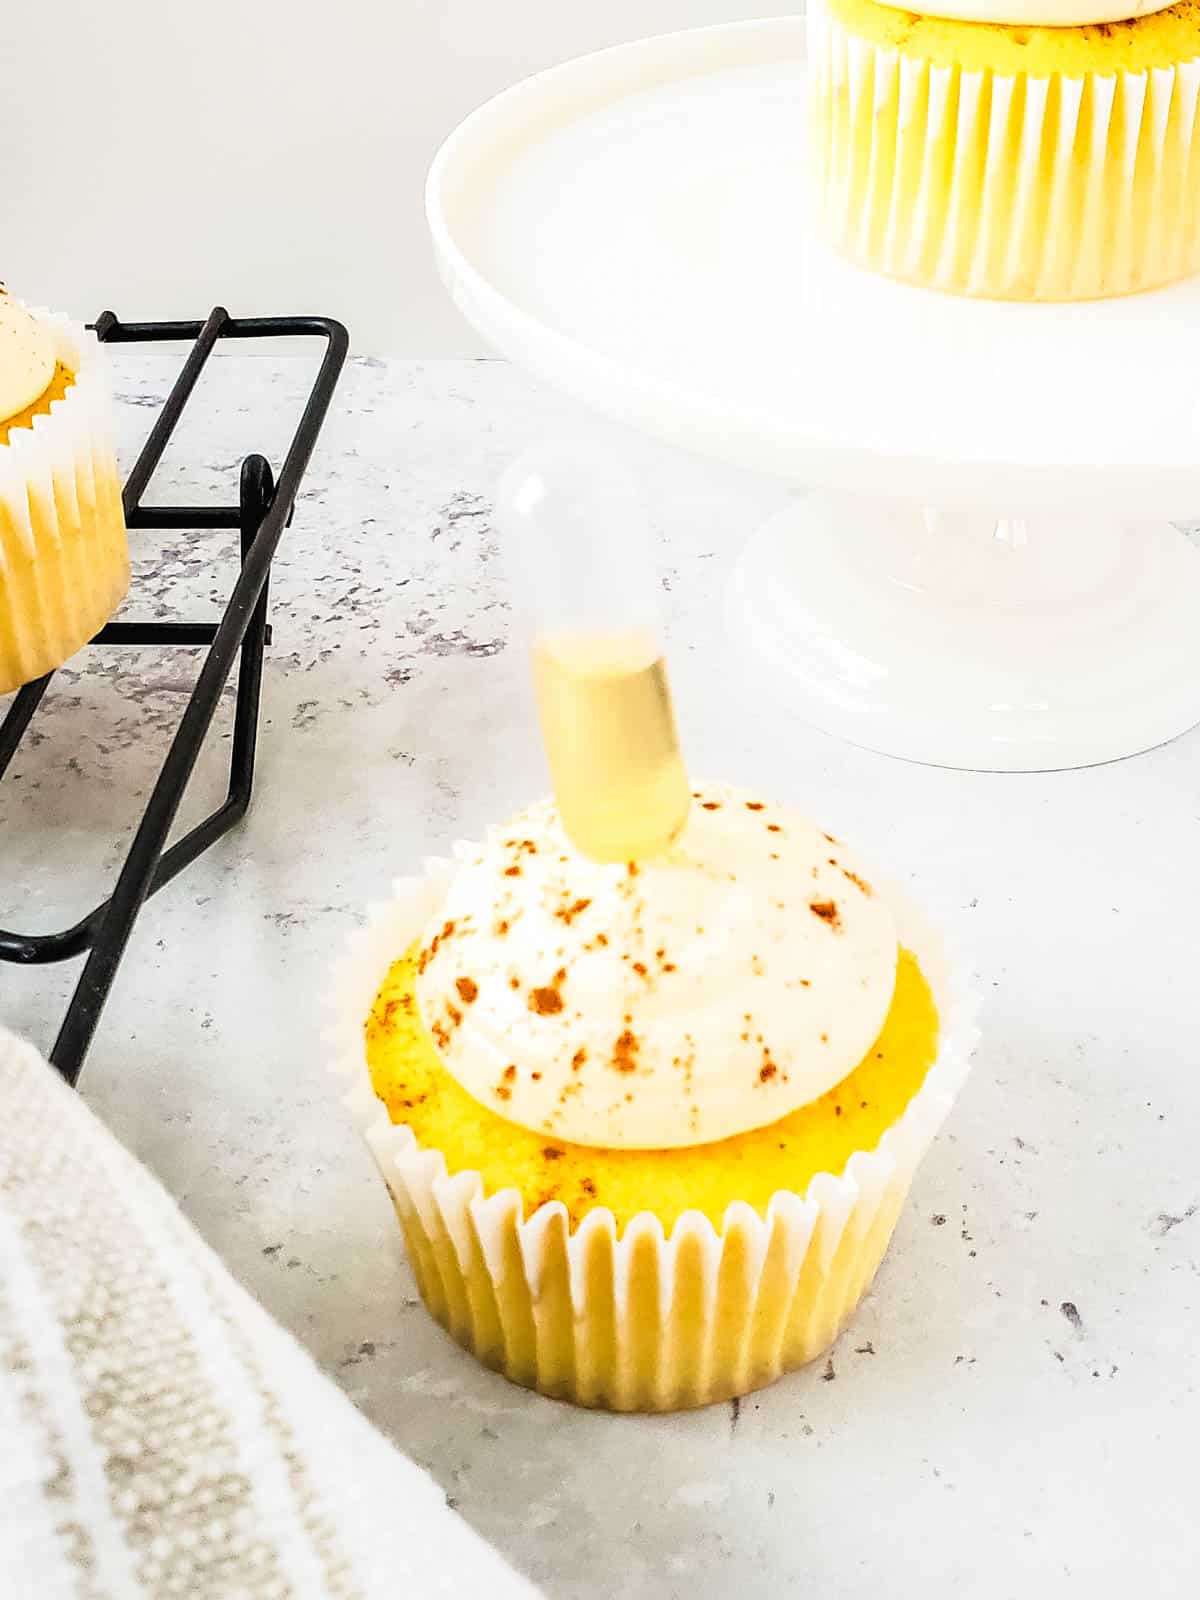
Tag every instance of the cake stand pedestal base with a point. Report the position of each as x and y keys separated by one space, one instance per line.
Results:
x=972 y=639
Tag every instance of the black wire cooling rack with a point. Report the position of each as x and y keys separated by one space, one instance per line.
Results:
x=263 y=511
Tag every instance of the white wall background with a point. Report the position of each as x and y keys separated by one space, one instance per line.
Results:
x=157 y=156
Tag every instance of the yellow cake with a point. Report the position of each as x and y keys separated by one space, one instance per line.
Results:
x=64 y=562
x=648 y=1127
x=1010 y=162
x=409 y=1078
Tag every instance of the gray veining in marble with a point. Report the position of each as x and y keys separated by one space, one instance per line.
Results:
x=1014 y=1410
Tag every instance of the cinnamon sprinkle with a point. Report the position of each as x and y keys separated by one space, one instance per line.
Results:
x=828 y=912
x=625 y=1051
x=434 y=945
x=568 y=914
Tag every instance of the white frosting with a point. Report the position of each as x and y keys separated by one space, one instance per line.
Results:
x=705 y=992
x=26 y=358
x=1039 y=13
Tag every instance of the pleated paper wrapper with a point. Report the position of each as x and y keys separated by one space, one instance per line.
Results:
x=643 y=1321
x=64 y=557
x=1011 y=187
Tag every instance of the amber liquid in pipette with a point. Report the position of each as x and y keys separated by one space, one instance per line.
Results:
x=609 y=728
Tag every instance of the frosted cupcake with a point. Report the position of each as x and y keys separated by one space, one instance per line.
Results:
x=64 y=561
x=1012 y=149
x=648 y=1128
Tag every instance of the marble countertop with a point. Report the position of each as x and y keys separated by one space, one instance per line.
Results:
x=1014 y=1409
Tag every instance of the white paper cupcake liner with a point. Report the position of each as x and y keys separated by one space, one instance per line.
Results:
x=644 y=1321
x=1003 y=186
x=64 y=558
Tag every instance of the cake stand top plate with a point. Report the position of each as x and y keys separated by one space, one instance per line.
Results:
x=631 y=227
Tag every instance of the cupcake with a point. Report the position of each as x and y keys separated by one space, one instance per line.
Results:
x=64 y=560
x=1013 y=149
x=648 y=1127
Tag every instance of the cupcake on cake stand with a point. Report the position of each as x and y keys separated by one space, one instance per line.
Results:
x=984 y=570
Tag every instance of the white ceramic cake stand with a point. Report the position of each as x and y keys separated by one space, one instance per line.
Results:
x=985 y=574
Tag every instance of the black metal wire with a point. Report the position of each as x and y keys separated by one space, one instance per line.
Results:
x=264 y=509
x=20 y=714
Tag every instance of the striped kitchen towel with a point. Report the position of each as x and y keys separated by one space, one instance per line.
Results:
x=160 y=1436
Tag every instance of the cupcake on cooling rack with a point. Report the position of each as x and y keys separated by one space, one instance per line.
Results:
x=1010 y=149
x=64 y=561
x=648 y=1127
